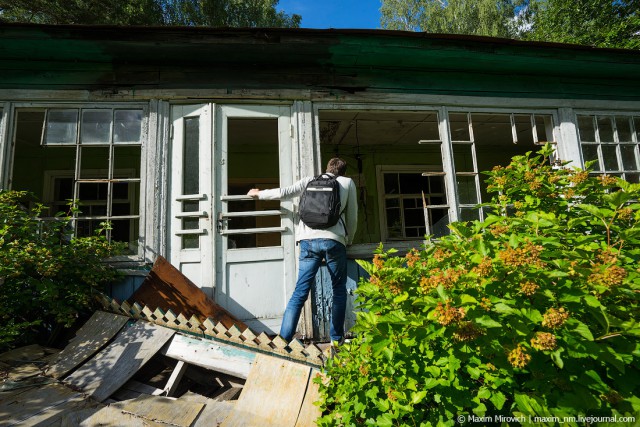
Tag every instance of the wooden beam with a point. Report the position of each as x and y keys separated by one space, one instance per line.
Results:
x=212 y=355
x=174 y=379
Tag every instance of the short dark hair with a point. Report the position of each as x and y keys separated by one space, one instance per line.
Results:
x=337 y=166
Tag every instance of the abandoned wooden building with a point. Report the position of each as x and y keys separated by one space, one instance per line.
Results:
x=162 y=131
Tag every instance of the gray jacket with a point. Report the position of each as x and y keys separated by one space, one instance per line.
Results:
x=348 y=203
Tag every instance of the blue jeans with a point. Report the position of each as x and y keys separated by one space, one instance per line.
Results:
x=312 y=252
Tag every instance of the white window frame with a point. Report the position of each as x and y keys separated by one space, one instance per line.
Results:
x=635 y=140
x=381 y=170
x=143 y=143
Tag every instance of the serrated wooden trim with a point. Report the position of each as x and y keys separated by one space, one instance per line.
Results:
x=209 y=329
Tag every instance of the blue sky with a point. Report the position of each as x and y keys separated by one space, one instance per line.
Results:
x=334 y=13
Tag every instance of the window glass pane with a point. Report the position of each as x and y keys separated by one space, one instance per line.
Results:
x=62 y=126
x=128 y=126
x=391 y=185
x=467 y=190
x=632 y=177
x=586 y=129
x=629 y=159
x=590 y=152
x=126 y=162
x=463 y=158
x=459 y=127
x=429 y=128
x=524 y=130
x=96 y=127
x=610 y=158
x=191 y=156
x=412 y=183
x=438 y=221
x=636 y=126
x=394 y=220
x=126 y=230
x=605 y=129
x=436 y=184
x=623 y=127
x=94 y=162
x=469 y=214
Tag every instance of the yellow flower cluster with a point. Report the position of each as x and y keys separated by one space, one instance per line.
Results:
x=447 y=278
x=607 y=180
x=578 y=177
x=553 y=318
x=498 y=229
x=441 y=254
x=412 y=257
x=485 y=303
x=518 y=357
x=446 y=315
x=528 y=254
x=378 y=261
x=543 y=341
x=529 y=288
x=610 y=277
x=483 y=269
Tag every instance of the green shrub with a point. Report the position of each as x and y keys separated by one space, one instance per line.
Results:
x=47 y=277
x=533 y=312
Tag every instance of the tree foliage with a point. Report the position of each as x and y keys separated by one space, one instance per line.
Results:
x=213 y=13
x=601 y=23
x=588 y=22
x=531 y=313
x=477 y=17
x=47 y=278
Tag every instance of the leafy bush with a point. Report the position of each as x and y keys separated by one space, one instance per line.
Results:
x=533 y=312
x=47 y=278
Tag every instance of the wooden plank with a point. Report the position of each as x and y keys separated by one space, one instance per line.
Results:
x=162 y=409
x=309 y=412
x=104 y=417
x=272 y=395
x=24 y=354
x=213 y=412
x=119 y=361
x=90 y=338
x=43 y=405
x=212 y=355
x=24 y=371
x=174 y=379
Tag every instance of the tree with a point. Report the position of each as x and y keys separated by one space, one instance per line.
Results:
x=477 y=17
x=213 y=13
x=601 y=23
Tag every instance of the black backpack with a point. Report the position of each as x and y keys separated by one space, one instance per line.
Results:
x=320 y=202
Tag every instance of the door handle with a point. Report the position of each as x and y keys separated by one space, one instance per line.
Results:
x=222 y=223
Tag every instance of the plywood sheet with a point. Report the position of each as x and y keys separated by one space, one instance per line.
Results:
x=272 y=395
x=90 y=338
x=108 y=370
x=213 y=413
x=42 y=405
x=309 y=412
x=162 y=409
x=166 y=288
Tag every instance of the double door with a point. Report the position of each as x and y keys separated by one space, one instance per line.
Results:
x=239 y=250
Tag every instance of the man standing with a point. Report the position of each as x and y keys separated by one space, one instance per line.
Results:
x=318 y=244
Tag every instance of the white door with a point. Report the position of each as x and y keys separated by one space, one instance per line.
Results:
x=191 y=228
x=240 y=251
x=254 y=247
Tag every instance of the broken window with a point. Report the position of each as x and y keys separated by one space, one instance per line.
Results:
x=610 y=144
x=483 y=140
x=90 y=155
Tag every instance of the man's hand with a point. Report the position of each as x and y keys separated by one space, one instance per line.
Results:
x=253 y=193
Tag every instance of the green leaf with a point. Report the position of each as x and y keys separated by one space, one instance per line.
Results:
x=487 y=322
x=443 y=295
x=466 y=299
x=417 y=397
x=503 y=308
x=583 y=330
x=555 y=356
x=430 y=383
x=484 y=393
x=532 y=314
x=498 y=399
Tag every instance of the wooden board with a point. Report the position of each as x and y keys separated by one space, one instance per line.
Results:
x=162 y=409
x=104 y=417
x=272 y=395
x=309 y=412
x=90 y=338
x=213 y=355
x=166 y=288
x=42 y=405
x=213 y=413
x=24 y=354
x=119 y=361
